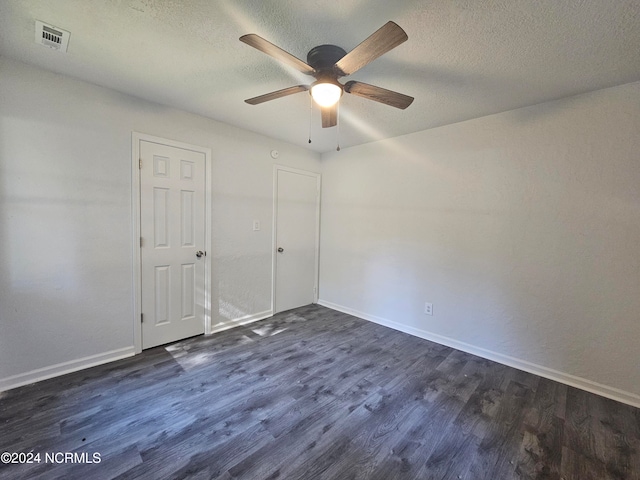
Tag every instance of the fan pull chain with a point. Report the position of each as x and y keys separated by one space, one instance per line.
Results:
x=310 y=115
x=338 y=126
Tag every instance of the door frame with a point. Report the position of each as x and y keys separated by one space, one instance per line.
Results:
x=136 y=138
x=274 y=246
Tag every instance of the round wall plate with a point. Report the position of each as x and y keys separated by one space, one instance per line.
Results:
x=275 y=154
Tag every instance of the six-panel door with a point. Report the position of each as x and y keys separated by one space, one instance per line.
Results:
x=172 y=206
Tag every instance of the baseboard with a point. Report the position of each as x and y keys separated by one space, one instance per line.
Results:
x=74 y=365
x=63 y=368
x=220 y=327
x=566 y=378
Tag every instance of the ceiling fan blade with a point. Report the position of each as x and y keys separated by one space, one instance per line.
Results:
x=389 y=36
x=329 y=116
x=269 y=48
x=378 y=94
x=277 y=94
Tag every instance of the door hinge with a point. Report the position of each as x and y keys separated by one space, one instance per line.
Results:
x=140 y=164
x=141 y=317
x=141 y=242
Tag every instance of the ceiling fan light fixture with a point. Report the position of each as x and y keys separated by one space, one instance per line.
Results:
x=326 y=94
x=327 y=63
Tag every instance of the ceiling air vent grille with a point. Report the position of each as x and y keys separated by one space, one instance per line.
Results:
x=52 y=37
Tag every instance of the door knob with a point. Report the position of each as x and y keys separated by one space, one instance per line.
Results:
x=200 y=253
x=280 y=249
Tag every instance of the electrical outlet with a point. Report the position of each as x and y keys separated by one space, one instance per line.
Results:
x=256 y=225
x=428 y=308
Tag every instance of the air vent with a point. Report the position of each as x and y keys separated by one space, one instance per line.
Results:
x=52 y=37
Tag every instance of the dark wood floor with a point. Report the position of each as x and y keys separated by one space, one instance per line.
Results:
x=316 y=394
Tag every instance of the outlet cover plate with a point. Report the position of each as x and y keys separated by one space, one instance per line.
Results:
x=428 y=308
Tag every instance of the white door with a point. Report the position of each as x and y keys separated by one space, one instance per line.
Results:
x=297 y=216
x=172 y=228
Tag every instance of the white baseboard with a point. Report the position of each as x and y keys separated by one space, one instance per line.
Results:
x=220 y=327
x=566 y=378
x=74 y=365
x=64 y=368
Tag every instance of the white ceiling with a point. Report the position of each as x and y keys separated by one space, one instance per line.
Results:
x=464 y=58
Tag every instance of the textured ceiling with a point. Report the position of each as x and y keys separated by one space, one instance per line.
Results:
x=464 y=58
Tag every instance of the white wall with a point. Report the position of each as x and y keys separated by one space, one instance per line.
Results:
x=66 y=291
x=522 y=228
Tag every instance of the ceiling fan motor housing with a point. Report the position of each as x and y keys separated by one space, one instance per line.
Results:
x=324 y=57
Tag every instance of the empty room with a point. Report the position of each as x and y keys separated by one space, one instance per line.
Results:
x=320 y=240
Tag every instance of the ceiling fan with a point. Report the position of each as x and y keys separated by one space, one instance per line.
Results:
x=327 y=63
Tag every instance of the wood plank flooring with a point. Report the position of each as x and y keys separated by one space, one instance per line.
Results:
x=315 y=394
